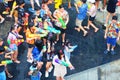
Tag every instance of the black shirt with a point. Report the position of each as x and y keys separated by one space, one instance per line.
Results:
x=2 y=57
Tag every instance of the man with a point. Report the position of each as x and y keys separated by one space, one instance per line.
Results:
x=112 y=34
x=82 y=14
x=62 y=14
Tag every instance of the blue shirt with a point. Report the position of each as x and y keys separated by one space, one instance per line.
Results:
x=82 y=12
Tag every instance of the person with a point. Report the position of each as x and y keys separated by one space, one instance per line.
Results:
x=49 y=56
x=31 y=36
x=69 y=3
x=63 y=14
x=3 y=56
x=60 y=70
x=32 y=3
x=112 y=34
x=6 y=69
x=92 y=14
x=111 y=7
x=12 y=37
x=34 y=71
x=68 y=48
x=2 y=8
x=82 y=14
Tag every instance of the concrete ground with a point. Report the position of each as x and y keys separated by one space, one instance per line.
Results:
x=89 y=53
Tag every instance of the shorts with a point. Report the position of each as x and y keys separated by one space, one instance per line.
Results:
x=30 y=45
x=78 y=22
x=14 y=47
x=62 y=30
x=92 y=18
x=111 y=41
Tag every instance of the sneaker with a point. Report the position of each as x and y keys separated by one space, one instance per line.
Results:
x=17 y=61
x=10 y=76
x=50 y=69
x=2 y=20
x=29 y=60
x=46 y=74
x=106 y=52
x=112 y=52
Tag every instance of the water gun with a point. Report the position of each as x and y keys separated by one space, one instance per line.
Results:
x=41 y=31
x=51 y=29
x=73 y=47
x=18 y=41
x=61 y=21
x=8 y=49
x=39 y=19
x=7 y=62
x=62 y=62
x=57 y=3
x=13 y=6
x=36 y=35
x=118 y=3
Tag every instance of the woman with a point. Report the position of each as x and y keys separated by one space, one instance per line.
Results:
x=59 y=69
x=12 y=37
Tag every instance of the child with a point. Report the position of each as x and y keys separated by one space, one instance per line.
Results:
x=12 y=37
x=92 y=15
x=112 y=34
x=82 y=14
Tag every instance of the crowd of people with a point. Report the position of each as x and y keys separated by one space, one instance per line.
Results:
x=41 y=29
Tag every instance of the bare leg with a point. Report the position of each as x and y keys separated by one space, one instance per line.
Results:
x=63 y=37
x=7 y=72
x=58 y=78
x=97 y=3
x=104 y=3
x=37 y=1
x=108 y=47
x=32 y=3
x=69 y=4
x=112 y=48
x=107 y=18
x=15 y=55
x=96 y=29
x=29 y=54
x=84 y=31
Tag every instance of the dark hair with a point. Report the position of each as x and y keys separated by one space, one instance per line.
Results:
x=59 y=53
x=30 y=24
x=61 y=6
x=20 y=2
x=84 y=1
x=114 y=18
x=39 y=44
x=34 y=63
x=33 y=16
x=44 y=1
x=2 y=49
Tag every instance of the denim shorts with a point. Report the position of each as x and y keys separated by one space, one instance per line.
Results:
x=14 y=47
x=111 y=41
